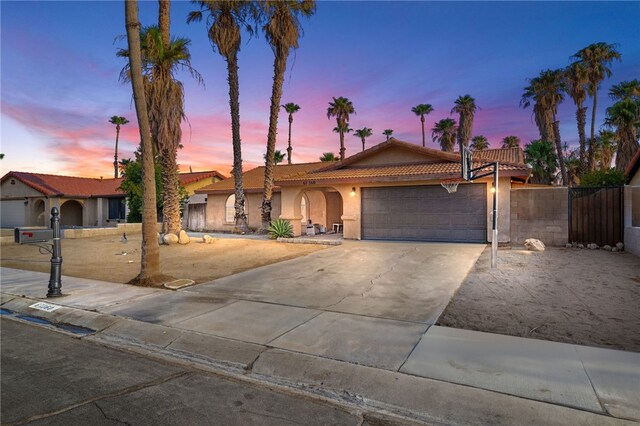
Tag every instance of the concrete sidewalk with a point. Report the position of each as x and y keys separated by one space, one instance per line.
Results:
x=411 y=368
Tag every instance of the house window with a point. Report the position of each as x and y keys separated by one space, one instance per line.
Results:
x=230 y=209
x=303 y=209
x=116 y=208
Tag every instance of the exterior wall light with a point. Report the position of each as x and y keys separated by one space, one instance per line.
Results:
x=353 y=192
x=493 y=188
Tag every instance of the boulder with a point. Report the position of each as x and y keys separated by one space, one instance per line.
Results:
x=169 y=239
x=620 y=246
x=606 y=247
x=534 y=244
x=580 y=246
x=615 y=249
x=592 y=246
x=183 y=238
x=208 y=239
x=568 y=245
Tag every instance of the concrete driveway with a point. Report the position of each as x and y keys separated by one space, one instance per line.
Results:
x=400 y=281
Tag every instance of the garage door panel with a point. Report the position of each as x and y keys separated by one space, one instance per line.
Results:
x=425 y=213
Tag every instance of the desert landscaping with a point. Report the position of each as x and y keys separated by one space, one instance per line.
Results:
x=106 y=258
x=586 y=297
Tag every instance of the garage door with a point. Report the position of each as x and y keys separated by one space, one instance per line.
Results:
x=12 y=213
x=425 y=213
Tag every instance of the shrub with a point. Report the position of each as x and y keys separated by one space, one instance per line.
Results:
x=609 y=177
x=280 y=228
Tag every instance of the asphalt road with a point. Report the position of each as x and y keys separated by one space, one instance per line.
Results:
x=55 y=379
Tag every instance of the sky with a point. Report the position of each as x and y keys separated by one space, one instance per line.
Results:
x=59 y=76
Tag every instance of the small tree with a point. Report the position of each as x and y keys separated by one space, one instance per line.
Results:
x=541 y=156
x=328 y=157
x=388 y=133
x=610 y=177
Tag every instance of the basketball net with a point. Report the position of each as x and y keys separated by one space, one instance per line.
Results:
x=451 y=185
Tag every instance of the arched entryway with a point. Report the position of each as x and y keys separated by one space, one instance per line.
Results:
x=38 y=218
x=71 y=213
x=319 y=206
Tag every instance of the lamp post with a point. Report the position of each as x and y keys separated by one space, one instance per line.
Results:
x=55 y=282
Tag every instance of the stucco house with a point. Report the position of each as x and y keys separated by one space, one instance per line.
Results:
x=27 y=198
x=632 y=206
x=390 y=191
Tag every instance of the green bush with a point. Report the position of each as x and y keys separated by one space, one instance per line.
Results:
x=280 y=228
x=610 y=177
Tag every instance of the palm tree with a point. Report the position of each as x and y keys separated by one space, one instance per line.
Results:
x=444 y=133
x=479 y=143
x=421 y=110
x=118 y=121
x=328 y=157
x=624 y=117
x=577 y=79
x=363 y=133
x=345 y=129
x=511 y=142
x=546 y=91
x=150 y=251
x=606 y=145
x=341 y=108
x=282 y=30
x=388 y=133
x=465 y=107
x=291 y=109
x=224 y=21
x=596 y=58
x=278 y=156
x=625 y=90
x=165 y=102
x=543 y=161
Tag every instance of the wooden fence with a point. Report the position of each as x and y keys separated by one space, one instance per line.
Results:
x=596 y=215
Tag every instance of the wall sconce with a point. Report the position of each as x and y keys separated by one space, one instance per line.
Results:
x=353 y=192
x=493 y=188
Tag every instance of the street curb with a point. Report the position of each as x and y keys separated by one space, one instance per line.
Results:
x=360 y=387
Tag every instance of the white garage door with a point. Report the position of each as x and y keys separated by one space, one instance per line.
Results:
x=12 y=213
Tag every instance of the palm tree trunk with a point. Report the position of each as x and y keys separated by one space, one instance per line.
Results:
x=581 y=118
x=279 y=68
x=164 y=21
x=422 y=120
x=362 y=143
x=171 y=196
x=289 y=149
x=342 y=149
x=563 y=169
x=150 y=252
x=234 y=104
x=115 y=156
x=592 y=145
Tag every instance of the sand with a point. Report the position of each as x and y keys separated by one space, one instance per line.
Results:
x=108 y=259
x=587 y=297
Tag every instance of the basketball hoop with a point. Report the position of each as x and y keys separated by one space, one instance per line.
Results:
x=451 y=185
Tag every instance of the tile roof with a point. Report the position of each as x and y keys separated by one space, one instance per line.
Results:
x=511 y=164
x=396 y=172
x=187 y=178
x=68 y=186
x=80 y=187
x=253 y=180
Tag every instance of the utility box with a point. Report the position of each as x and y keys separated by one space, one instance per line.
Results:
x=33 y=235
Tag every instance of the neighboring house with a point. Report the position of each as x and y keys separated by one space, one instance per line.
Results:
x=27 y=198
x=390 y=191
x=632 y=206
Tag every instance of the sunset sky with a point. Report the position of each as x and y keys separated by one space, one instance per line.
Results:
x=59 y=76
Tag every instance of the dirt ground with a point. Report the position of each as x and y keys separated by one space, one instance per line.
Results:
x=587 y=297
x=108 y=259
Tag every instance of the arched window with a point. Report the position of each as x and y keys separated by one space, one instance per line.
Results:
x=303 y=209
x=230 y=209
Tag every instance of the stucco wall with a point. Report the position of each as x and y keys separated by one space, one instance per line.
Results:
x=632 y=216
x=17 y=189
x=216 y=211
x=541 y=213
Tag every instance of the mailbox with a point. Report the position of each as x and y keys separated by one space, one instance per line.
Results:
x=33 y=235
